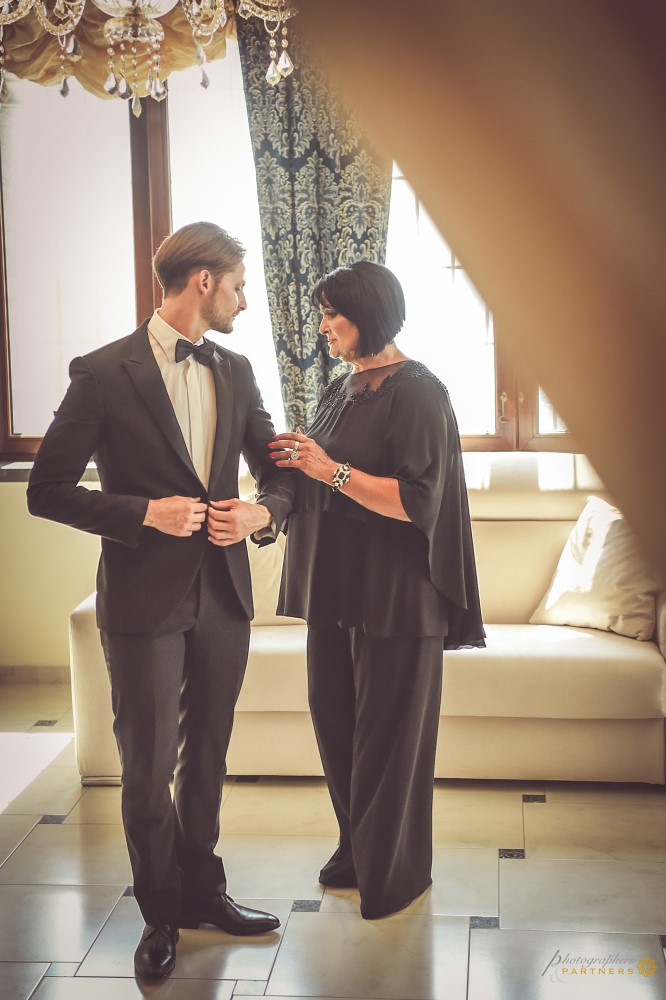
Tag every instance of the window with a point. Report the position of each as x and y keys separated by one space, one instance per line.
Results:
x=451 y=330
x=69 y=259
x=549 y=422
x=113 y=198
x=212 y=178
x=448 y=326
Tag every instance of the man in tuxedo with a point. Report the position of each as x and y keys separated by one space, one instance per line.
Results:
x=166 y=415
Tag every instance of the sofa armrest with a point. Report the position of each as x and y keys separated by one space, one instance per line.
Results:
x=96 y=750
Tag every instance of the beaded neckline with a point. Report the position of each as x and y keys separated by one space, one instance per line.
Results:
x=336 y=394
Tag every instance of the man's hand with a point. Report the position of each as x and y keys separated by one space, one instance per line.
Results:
x=230 y=521
x=179 y=516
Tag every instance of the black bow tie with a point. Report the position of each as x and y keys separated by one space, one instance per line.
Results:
x=203 y=353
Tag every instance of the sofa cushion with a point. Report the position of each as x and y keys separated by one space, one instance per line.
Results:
x=525 y=671
x=276 y=675
x=515 y=561
x=602 y=580
x=555 y=672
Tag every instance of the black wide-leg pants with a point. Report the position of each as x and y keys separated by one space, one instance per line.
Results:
x=173 y=695
x=375 y=704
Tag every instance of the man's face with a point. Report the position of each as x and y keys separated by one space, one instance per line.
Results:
x=225 y=300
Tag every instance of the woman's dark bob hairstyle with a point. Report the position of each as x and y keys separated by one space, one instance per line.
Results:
x=370 y=296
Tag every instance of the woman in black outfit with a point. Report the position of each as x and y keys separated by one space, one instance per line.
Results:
x=379 y=561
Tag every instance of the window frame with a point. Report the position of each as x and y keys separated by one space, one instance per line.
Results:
x=516 y=397
x=529 y=437
x=151 y=198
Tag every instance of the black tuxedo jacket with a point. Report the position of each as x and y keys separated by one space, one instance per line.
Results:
x=117 y=409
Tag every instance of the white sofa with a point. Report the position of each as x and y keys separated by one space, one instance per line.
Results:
x=541 y=702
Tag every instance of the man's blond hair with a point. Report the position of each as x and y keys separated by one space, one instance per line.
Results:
x=194 y=247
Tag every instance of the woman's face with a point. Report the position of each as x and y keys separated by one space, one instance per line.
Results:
x=341 y=334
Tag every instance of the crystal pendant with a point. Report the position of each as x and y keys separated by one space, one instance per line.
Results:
x=149 y=81
x=73 y=50
x=64 y=89
x=136 y=105
x=205 y=81
x=158 y=91
x=4 y=92
x=124 y=90
x=111 y=84
x=200 y=54
x=285 y=65
x=273 y=74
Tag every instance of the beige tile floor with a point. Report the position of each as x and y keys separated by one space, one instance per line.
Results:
x=582 y=914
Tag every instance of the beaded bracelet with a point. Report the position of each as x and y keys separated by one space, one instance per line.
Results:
x=341 y=476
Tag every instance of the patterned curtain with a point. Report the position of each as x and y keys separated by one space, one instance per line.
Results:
x=324 y=196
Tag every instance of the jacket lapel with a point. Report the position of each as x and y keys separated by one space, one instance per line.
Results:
x=224 y=399
x=144 y=371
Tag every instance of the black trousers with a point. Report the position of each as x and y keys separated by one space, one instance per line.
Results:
x=375 y=705
x=173 y=694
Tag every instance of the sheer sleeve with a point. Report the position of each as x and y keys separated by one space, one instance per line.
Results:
x=422 y=450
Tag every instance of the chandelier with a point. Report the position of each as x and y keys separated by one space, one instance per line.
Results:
x=133 y=32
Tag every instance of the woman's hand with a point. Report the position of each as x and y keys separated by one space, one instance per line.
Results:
x=378 y=493
x=297 y=451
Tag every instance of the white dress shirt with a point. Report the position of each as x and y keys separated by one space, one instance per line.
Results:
x=191 y=389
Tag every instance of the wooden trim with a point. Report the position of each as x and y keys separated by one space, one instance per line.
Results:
x=529 y=438
x=552 y=442
x=484 y=442
x=12 y=446
x=5 y=380
x=151 y=198
x=506 y=399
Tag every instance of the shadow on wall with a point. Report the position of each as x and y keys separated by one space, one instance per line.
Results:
x=534 y=135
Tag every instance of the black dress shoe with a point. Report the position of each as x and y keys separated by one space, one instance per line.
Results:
x=155 y=956
x=223 y=912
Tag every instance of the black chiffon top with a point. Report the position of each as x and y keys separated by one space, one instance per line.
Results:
x=345 y=565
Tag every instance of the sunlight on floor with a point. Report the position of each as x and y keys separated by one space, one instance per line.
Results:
x=26 y=755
